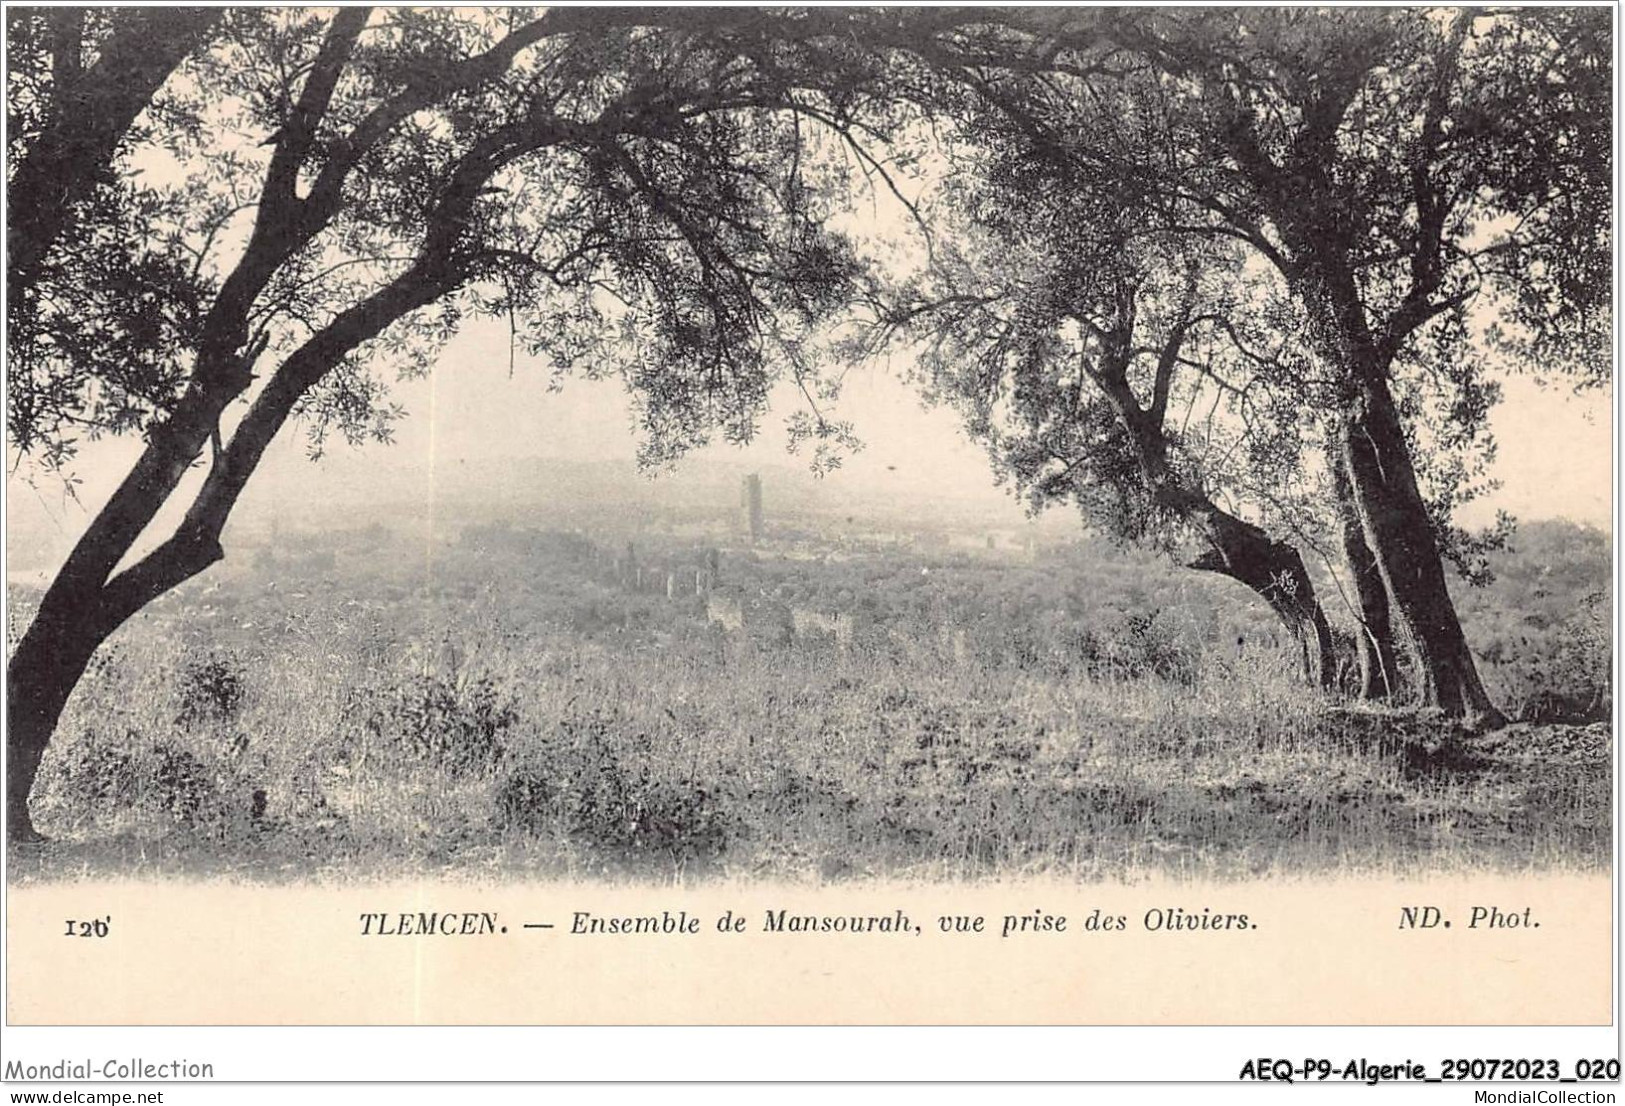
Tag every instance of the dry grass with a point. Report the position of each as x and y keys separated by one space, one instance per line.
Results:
x=673 y=756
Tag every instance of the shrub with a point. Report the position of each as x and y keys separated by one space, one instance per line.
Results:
x=456 y=724
x=180 y=786
x=98 y=779
x=581 y=785
x=636 y=814
x=1556 y=672
x=526 y=801
x=210 y=690
x=1134 y=646
x=97 y=773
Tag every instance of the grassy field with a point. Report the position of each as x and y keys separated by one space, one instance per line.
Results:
x=475 y=744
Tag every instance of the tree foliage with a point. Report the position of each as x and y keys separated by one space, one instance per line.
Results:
x=1397 y=145
x=1080 y=345
x=88 y=300
x=626 y=193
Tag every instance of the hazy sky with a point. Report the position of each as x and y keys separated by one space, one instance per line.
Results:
x=1554 y=449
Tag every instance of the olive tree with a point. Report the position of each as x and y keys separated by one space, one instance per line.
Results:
x=311 y=200
x=1124 y=373
x=1432 y=187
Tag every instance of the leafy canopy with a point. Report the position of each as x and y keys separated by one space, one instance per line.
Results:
x=638 y=193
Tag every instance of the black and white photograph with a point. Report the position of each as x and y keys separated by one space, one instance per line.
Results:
x=1044 y=490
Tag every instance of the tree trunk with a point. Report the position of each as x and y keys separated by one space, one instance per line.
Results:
x=1400 y=532
x=42 y=673
x=1379 y=659
x=1275 y=572
x=86 y=602
x=1238 y=549
x=1372 y=449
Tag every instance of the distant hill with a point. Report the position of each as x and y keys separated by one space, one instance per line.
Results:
x=347 y=489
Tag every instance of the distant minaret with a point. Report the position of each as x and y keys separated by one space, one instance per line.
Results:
x=751 y=500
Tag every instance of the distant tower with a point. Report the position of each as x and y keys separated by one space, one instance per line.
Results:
x=750 y=497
